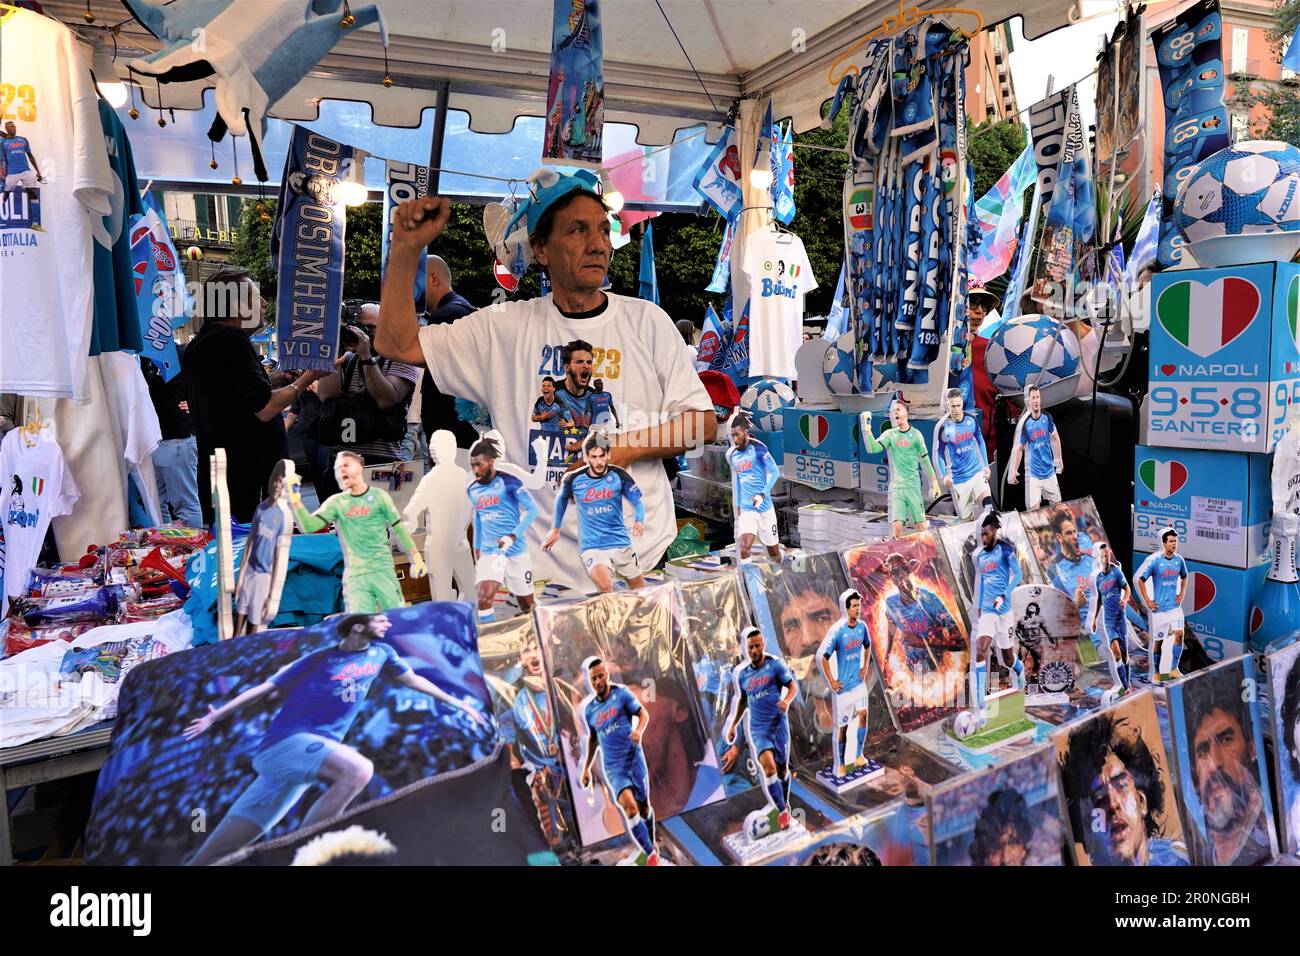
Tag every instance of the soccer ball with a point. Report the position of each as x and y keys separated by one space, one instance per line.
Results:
x=758 y=824
x=764 y=402
x=1031 y=350
x=965 y=724
x=883 y=374
x=1242 y=204
x=840 y=368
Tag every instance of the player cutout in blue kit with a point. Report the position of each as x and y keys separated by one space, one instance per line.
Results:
x=754 y=472
x=764 y=687
x=1036 y=432
x=598 y=491
x=997 y=572
x=849 y=643
x=503 y=509
x=616 y=722
x=1111 y=592
x=960 y=458
x=1169 y=571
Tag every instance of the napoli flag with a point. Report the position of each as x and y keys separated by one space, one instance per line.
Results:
x=718 y=180
x=783 y=182
x=713 y=342
x=998 y=215
x=648 y=287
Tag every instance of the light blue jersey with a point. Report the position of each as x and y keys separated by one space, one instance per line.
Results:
x=997 y=572
x=1168 y=574
x=753 y=472
x=600 y=507
x=848 y=644
x=1037 y=434
x=959 y=450
x=502 y=506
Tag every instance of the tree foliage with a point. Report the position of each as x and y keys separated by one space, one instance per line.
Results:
x=992 y=147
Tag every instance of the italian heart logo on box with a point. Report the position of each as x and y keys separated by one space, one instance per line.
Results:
x=1203 y=317
x=1200 y=592
x=814 y=429
x=1163 y=478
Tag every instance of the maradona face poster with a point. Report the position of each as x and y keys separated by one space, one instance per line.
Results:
x=234 y=743
x=1284 y=673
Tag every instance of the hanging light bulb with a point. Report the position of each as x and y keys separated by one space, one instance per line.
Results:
x=353 y=190
x=609 y=192
x=110 y=87
x=760 y=177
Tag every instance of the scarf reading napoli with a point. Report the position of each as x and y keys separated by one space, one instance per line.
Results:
x=307 y=250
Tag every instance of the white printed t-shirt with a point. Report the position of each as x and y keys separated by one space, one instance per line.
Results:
x=780 y=277
x=34 y=487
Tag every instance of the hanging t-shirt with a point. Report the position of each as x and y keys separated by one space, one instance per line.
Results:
x=498 y=357
x=780 y=277
x=46 y=245
x=116 y=324
x=34 y=487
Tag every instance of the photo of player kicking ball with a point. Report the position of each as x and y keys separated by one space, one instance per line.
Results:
x=321 y=695
x=616 y=723
x=850 y=644
x=754 y=472
x=598 y=492
x=997 y=572
x=764 y=687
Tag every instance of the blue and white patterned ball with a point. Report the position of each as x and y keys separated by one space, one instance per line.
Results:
x=840 y=368
x=1031 y=350
x=765 y=402
x=1247 y=189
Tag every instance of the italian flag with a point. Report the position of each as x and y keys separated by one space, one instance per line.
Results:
x=1204 y=317
x=1163 y=478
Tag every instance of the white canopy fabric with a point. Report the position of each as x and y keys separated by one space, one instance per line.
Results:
x=495 y=54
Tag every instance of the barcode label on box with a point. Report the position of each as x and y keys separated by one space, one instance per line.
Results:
x=1217 y=520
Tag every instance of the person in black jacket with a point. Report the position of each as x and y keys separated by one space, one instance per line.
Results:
x=438 y=411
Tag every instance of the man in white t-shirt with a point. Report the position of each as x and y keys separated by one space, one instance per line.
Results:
x=498 y=356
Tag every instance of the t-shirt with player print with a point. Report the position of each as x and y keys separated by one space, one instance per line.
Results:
x=780 y=276
x=13 y=155
x=324 y=691
x=556 y=410
x=46 y=243
x=599 y=500
x=35 y=486
x=498 y=357
x=611 y=720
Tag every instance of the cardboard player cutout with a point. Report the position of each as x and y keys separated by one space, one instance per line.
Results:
x=266 y=555
x=754 y=472
x=960 y=458
x=363 y=516
x=439 y=506
x=225 y=546
x=1161 y=582
x=598 y=492
x=907 y=457
x=764 y=687
x=616 y=722
x=1039 y=444
x=502 y=510
x=849 y=643
x=1110 y=594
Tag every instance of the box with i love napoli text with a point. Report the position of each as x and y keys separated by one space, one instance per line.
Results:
x=1225 y=357
x=821 y=448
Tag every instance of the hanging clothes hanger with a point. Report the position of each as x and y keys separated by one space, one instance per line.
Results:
x=32 y=428
x=905 y=19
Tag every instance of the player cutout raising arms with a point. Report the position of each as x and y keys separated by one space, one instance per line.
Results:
x=598 y=492
x=1166 y=604
x=764 y=688
x=503 y=510
x=754 y=472
x=907 y=457
x=1112 y=591
x=616 y=722
x=850 y=644
x=997 y=572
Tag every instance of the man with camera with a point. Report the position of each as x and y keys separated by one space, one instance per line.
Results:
x=365 y=402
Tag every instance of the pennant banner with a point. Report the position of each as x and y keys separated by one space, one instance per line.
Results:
x=180 y=304
x=713 y=342
x=722 y=268
x=575 y=99
x=1049 y=120
x=154 y=295
x=783 y=178
x=307 y=248
x=404 y=182
x=718 y=181
x=1143 y=255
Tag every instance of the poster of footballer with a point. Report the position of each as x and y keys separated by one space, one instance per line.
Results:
x=961 y=541
x=918 y=637
x=714 y=614
x=1284 y=673
x=1062 y=536
x=627 y=713
x=1218 y=747
x=1008 y=815
x=521 y=699
x=1118 y=789
x=243 y=741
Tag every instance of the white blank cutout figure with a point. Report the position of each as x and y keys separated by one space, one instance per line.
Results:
x=440 y=507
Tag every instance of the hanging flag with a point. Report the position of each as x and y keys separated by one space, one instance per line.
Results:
x=1115 y=258
x=713 y=341
x=718 y=181
x=727 y=327
x=1049 y=121
x=722 y=267
x=998 y=215
x=154 y=297
x=736 y=363
x=1065 y=255
x=575 y=98
x=648 y=287
x=783 y=182
x=1145 y=246
x=1291 y=58
x=403 y=182
x=307 y=250
x=836 y=320
x=180 y=304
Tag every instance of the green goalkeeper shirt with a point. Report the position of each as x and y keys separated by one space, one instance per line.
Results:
x=907 y=455
x=363 y=522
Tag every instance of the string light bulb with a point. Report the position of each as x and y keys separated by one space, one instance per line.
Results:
x=609 y=192
x=353 y=190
